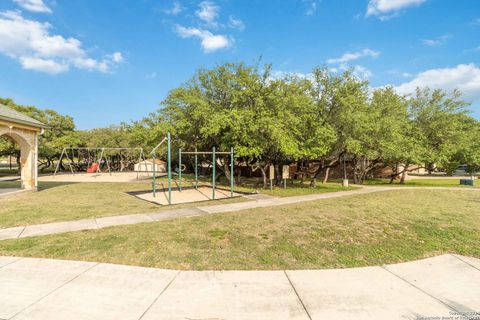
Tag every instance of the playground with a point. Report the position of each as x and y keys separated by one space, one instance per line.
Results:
x=102 y=164
x=186 y=191
x=82 y=164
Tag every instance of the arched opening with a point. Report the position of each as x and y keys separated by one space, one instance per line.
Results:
x=9 y=157
x=27 y=160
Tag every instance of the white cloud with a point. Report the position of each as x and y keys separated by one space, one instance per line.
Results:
x=151 y=75
x=350 y=56
x=475 y=22
x=208 y=12
x=235 y=23
x=33 y=5
x=361 y=72
x=279 y=74
x=358 y=71
x=398 y=73
x=389 y=8
x=464 y=77
x=439 y=41
x=43 y=65
x=210 y=42
x=311 y=7
x=117 y=57
x=35 y=48
x=92 y=64
x=175 y=10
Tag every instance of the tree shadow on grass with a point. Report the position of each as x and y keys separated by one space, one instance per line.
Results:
x=41 y=185
x=48 y=185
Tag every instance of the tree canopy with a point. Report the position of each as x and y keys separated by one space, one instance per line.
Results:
x=321 y=118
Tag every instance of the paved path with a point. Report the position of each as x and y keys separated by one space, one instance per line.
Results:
x=259 y=202
x=10 y=178
x=39 y=289
x=6 y=192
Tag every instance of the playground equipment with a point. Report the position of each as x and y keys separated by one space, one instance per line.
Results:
x=96 y=160
x=195 y=153
x=169 y=167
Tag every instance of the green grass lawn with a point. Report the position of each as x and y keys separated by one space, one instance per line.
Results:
x=360 y=230
x=6 y=171
x=253 y=185
x=58 y=201
x=298 y=189
x=434 y=182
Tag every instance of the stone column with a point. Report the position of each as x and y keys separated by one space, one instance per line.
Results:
x=27 y=140
x=35 y=162
x=27 y=159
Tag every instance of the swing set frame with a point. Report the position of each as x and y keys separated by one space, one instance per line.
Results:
x=103 y=156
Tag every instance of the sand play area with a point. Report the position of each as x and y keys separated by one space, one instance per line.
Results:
x=190 y=194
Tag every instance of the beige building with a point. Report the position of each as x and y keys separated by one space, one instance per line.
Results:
x=147 y=166
x=24 y=130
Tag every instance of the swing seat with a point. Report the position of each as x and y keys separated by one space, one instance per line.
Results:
x=93 y=168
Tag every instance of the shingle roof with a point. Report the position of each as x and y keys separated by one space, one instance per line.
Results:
x=9 y=114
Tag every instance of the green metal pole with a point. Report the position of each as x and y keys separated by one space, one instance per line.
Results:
x=169 y=163
x=196 y=169
x=214 y=164
x=180 y=170
x=231 y=172
x=154 y=182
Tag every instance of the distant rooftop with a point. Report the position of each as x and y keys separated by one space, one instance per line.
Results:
x=8 y=114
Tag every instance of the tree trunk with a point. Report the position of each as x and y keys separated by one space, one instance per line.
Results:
x=304 y=171
x=313 y=181
x=357 y=178
x=362 y=168
x=239 y=175
x=404 y=174
x=327 y=173
x=226 y=170
x=394 y=173
x=278 y=175
x=43 y=165
x=263 y=170
x=264 y=176
x=218 y=175
x=430 y=168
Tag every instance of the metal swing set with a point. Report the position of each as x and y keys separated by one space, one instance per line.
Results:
x=86 y=159
x=195 y=153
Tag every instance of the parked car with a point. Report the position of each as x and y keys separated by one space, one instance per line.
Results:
x=461 y=170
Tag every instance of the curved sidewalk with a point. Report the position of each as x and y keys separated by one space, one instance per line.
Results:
x=104 y=222
x=38 y=289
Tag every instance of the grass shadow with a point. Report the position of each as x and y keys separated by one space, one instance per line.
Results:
x=41 y=185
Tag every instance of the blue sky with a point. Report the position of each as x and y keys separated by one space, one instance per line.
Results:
x=104 y=62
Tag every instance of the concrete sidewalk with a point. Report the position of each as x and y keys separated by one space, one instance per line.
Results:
x=103 y=222
x=7 y=192
x=34 y=289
